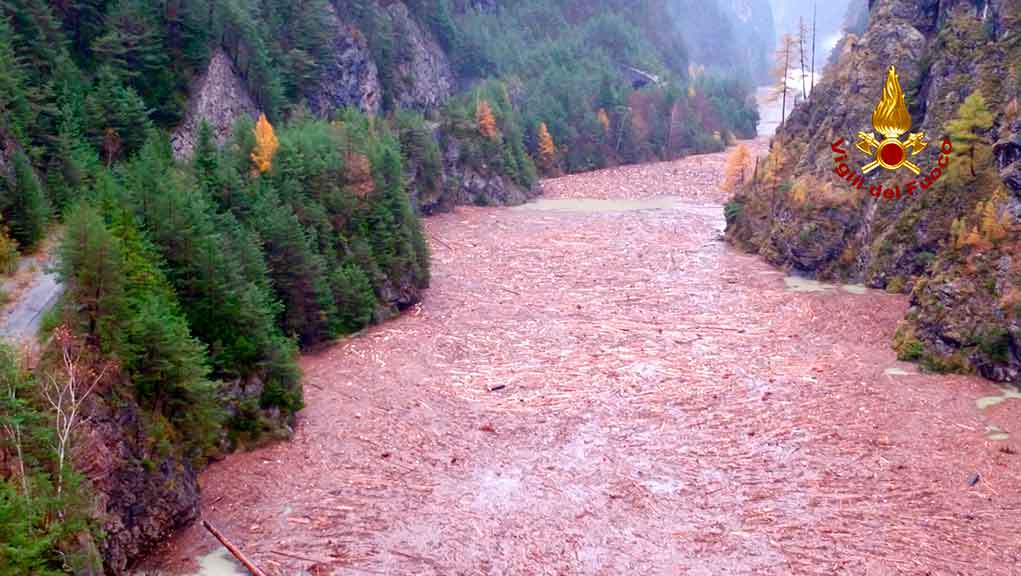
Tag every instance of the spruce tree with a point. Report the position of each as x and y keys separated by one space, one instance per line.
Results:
x=24 y=204
x=91 y=266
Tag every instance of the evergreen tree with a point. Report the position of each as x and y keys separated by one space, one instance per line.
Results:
x=15 y=111
x=965 y=129
x=91 y=267
x=297 y=273
x=205 y=161
x=118 y=121
x=24 y=204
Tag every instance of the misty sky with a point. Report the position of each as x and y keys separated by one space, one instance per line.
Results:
x=830 y=19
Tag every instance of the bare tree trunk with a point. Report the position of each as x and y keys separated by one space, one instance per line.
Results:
x=801 y=48
x=813 y=46
x=669 y=133
x=66 y=394
x=13 y=430
x=786 y=69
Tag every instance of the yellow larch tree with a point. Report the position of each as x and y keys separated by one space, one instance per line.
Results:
x=266 y=145
x=738 y=165
x=604 y=120
x=486 y=120
x=995 y=226
x=547 y=149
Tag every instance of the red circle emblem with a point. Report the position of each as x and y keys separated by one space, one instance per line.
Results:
x=892 y=154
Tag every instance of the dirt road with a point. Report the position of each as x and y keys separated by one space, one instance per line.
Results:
x=604 y=387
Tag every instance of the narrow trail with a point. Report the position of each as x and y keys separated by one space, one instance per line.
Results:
x=604 y=387
x=32 y=290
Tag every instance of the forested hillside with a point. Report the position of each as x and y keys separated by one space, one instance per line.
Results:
x=953 y=243
x=235 y=181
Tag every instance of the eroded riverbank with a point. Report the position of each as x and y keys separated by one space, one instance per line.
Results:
x=619 y=392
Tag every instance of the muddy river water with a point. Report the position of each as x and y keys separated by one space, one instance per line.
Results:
x=596 y=384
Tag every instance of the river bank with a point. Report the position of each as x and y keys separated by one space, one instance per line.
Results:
x=617 y=391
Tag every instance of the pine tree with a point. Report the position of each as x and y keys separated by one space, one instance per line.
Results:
x=266 y=145
x=14 y=106
x=24 y=204
x=92 y=269
x=205 y=161
x=296 y=271
x=117 y=116
x=133 y=48
x=547 y=150
x=973 y=117
x=485 y=120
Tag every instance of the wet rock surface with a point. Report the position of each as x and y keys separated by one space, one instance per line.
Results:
x=963 y=316
x=425 y=79
x=350 y=78
x=618 y=392
x=218 y=96
x=141 y=496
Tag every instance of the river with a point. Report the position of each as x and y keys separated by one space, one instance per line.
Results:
x=597 y=384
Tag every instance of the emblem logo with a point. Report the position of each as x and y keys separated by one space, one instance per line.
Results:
x=891 y=119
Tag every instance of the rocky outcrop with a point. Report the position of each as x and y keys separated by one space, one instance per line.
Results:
x=1008 y=160
x=142 y=494
x=219 y=97
x=477 y=183
x=966 y=307
x=349 y=78
x=423 y=75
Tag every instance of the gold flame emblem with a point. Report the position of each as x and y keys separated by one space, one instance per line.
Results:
x=891 y=119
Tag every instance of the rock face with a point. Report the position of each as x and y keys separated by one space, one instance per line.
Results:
x=423 y=74
x=966 y=311
x=350 y=78
x=142 y=496
x=478 y=184
x=220 y=97
x=461 y=181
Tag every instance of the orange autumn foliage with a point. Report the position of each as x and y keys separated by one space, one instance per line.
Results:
x=738 y=166
x=604 y=120
x=358 y=174
x=547 y=149
x=486 y=121
x=266 y=145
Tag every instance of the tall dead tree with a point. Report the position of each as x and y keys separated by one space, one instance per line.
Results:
x=813 y=46
x=66 y=390
x=781 y=73
x=802 y=40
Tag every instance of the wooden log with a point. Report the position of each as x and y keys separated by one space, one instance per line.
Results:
x=233 y=549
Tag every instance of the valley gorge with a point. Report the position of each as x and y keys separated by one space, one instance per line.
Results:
x=451 y=286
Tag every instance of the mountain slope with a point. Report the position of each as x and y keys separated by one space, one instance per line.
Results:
x=953 y=245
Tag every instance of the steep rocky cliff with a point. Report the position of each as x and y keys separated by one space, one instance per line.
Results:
x=349 y=78
x=219 y=97
x=423 y=78
x=798 y=213
x=143 y=491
